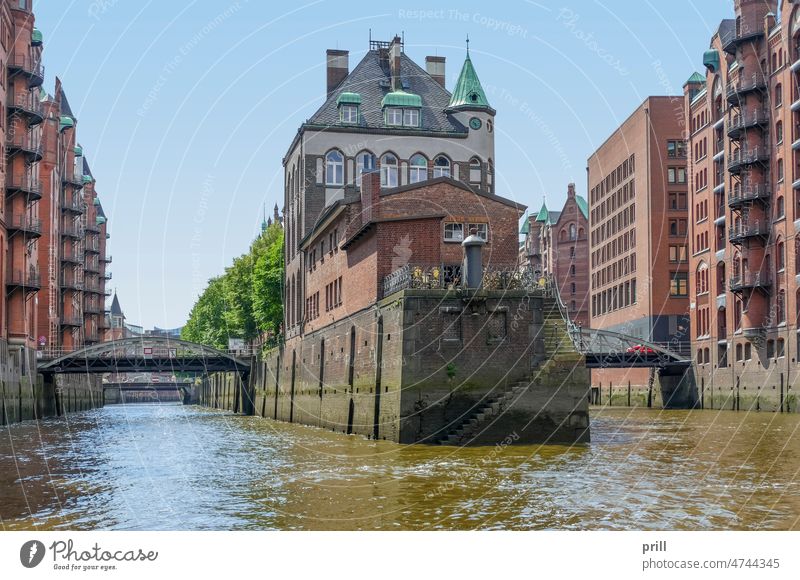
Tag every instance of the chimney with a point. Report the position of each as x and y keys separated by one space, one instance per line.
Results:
x=395 y=49
x=338 y=68
x=571 y=191
x=370 y=194
x=435 y=67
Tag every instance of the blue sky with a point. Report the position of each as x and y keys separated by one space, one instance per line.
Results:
x=185 y=109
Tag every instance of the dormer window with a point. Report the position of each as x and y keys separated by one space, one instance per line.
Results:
x=394 y=116
x=402 y=109
x=349 y=104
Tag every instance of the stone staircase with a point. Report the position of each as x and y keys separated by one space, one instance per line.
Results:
x=560 y=353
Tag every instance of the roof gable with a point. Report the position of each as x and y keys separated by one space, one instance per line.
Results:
x=468 y=93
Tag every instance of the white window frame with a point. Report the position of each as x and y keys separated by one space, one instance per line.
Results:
x=441 y=170
x=455 y=231
x=349 y=114
x=334 y=170
x=390 y=173
x=361 y=166
x=407 y=117
x=475 y=171
x=417 y=173
x=482 y=230
x=394 y=116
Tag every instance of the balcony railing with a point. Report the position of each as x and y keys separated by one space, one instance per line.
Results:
x=756 y=82
x=71 y=258
x=92 y=228
x=72 y=231
x=73 y=205
x=72 y=320
x=92 y=286
x=748 y=193
x=28 y=66
x=107 y=259
x=28 y=278
x=91 y=267
x=27 y=104
x=747 y=156
x=446 y=277
x=92 y=308
x=750 y=280
x=25 y=224
x=74 y=178
x=107 y=275
x=92 y=247
x=743 y=230
x=755 y=118
x=25 y=185
x=24 y=143
x=733 y=39
x=70 y=282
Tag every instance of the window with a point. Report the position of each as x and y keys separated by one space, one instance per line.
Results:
x=780 y=209
x=573 y=232
x=394 y=116
x=417 y=169
x=677 y=200
x=779 y=132
x=677 y=227
x=680 y=284
x=780 y=169
x=441 y=166
x=334 y=168
x=778 y=95
x=364 y=162
x=475 y=170
x=388 y=170
x=676 y=149
x=678 y=253
x=411 y=117
x=780 y=306
x=781 y=352
x=481 y=230
x=453 y=232
x=349 y=114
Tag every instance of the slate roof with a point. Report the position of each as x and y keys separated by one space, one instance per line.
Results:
x=116 y=309
x=371 y=79
x=65 y=108
x=86 y=169
x=100 y=212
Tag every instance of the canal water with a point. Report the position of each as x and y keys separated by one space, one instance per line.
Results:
x=147 y=467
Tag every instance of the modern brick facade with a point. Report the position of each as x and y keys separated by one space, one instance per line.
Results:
x=744 y=120
x=637 y=183
x=557 y=244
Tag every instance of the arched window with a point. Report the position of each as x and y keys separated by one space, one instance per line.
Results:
x=780 y=306
x=441 y=166
x=780 y=169
x=779 y=132
x=778 y=95
x=573 y=232
x=701 y=281
x=417 y=169
x=475 y=170
x=365 y=161
x=779 y=207
x=334 y=168
x=780 y=258
x=490 y=175
x=389 y=170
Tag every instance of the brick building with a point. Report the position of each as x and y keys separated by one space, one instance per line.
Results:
x=638 y=236
x=557 y=243
x=53 y=234
x=387 y=114
x=744 y=120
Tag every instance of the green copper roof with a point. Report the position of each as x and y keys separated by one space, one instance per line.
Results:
x=87 y=178
x=696 y=78
x=468 y=93
x=711 y=60
x=543 y=215
x=66 y=122
x=401 y=99
x=78 y=150
x=349 y=98
x=36 y=37
x=96 y=201
x=100 y=220
x=526 y=225
x=582 y=205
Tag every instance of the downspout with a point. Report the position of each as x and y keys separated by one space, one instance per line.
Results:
x=649 y=233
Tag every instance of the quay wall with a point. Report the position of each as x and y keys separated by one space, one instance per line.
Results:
x=422 y=365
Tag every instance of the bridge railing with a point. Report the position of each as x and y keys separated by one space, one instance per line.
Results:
x=44 y=354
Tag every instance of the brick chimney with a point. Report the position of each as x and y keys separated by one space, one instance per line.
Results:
x=571 y=191
x=370 y=194
x=338 y=68
x=395 y=50
x=435 y=67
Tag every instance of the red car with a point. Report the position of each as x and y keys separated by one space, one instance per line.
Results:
x=640 y=349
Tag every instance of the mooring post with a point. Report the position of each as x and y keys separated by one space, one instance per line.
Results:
x=473 y=261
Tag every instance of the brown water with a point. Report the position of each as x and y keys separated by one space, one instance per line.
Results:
x=187 y=468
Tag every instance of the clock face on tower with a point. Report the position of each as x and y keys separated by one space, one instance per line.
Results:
x=475 y=123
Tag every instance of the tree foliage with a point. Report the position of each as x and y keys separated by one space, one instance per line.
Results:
x=246 y=301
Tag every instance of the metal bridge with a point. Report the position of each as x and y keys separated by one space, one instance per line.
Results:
x=144 y=354
x=607 y=349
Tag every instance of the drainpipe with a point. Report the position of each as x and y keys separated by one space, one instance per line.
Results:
x=649 y=233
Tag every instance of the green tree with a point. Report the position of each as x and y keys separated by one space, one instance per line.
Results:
x=268 y=274
x=206 y=324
